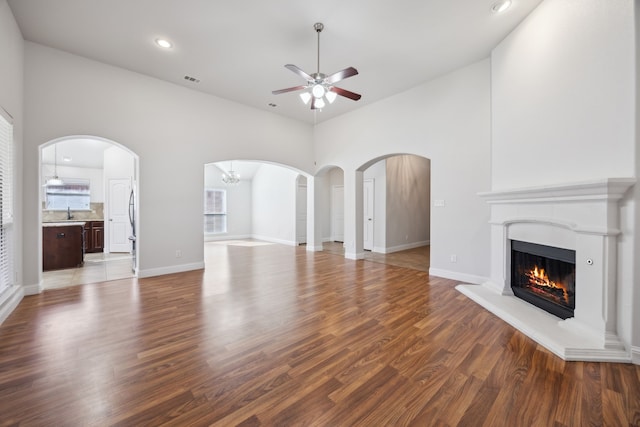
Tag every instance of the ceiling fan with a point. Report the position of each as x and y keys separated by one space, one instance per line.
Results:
x=320 y=84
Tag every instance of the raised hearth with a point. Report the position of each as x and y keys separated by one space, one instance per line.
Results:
x=584 y=218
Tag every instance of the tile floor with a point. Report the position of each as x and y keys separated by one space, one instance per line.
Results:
x=98 y=267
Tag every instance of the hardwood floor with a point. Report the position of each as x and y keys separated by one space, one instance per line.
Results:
x=272 y=335
x=416 y=258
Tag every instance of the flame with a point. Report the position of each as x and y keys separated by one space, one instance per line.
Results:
x=539 y=282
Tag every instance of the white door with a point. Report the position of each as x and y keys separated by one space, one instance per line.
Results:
x=301 y=213
x=367 y=207
x=337 y=213
x=118 y=215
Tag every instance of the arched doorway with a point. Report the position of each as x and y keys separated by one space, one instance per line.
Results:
x=392 y=199
x=266 y=204
x=396 y=215
x=88 y=195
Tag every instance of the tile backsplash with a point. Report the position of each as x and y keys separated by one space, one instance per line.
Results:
x=95 y=214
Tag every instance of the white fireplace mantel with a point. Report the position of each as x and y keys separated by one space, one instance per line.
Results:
x=579 y=216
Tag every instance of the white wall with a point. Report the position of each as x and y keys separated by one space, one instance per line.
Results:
x=408 y=202
x=11 y=100
x=446 y=120
x=635 y=222
x=173 y=130
x=274 y=204
x=239 y=201
x=562 y=107
x=118 y=164
x=564 y=110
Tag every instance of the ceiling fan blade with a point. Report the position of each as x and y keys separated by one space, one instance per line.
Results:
x=289 y=89
x=299 y=72
x=345 y=93
x=341 y=75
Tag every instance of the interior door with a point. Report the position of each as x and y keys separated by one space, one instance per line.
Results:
x=118 y=215
x=367 y=208
x=301 y=213
x=337 y=213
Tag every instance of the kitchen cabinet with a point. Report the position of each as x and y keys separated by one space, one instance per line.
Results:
x=62 y=246
x=94 y=236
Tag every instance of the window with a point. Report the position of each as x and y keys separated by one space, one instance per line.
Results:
x=73 y=194
x=6 y=203
x=215 y=211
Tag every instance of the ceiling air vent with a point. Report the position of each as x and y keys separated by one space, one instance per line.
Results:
x=192 y=79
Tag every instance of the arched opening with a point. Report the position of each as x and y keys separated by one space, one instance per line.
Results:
x=396 y=214
x=88 y=197
x=330 y=185
x=251 y=202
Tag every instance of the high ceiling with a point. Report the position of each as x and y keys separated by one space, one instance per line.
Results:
x=238 y=49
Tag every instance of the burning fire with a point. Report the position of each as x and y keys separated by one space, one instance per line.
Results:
x=539 y=283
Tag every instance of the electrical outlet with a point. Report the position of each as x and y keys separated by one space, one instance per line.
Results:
x=454 y=258
x=439 y=203
x=178 y=253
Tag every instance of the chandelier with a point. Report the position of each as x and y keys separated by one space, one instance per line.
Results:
x=231 y=177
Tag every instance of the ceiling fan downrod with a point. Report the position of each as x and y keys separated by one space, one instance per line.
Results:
x=318 y=26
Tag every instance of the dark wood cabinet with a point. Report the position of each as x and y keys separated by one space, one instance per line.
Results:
x=94 y=236
x=62 y=247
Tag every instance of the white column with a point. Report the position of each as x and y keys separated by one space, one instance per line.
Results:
x=353 y=211
x=314 y=211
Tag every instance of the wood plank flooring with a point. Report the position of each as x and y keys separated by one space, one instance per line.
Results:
x=272 y=335
x=416 y=258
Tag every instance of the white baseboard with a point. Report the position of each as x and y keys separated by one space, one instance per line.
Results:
x=218 y=237
x=275 y=240
x=33 y=289
x=399 y=248
x=635 y=355
x=454 y=275
x=317 y=248
x=152 y=272
x=353 y=255
x=16 y=293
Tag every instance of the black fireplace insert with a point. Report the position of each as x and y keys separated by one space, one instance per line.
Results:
x=544 y=276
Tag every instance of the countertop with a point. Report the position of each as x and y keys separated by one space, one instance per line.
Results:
x=63 y=222
x=70 y=223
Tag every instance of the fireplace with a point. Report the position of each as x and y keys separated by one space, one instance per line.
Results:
x=544 y=276
x=586 y=218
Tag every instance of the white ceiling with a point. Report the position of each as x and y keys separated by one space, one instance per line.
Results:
x=238 y=49
x=80 y=152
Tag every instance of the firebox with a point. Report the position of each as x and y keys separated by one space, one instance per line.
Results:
x=544 y=276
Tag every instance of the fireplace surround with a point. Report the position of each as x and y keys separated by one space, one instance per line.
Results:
x=581 y=217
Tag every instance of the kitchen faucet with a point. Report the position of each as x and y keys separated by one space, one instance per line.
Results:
x=69 y=216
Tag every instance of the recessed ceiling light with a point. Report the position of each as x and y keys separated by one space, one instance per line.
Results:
x=66 y=159
x=164 y=43
x=500 y=6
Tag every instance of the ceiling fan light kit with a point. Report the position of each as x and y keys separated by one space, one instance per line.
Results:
x=319 y=87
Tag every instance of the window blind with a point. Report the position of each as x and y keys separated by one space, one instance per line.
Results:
x=6 y=202
x=215 y=210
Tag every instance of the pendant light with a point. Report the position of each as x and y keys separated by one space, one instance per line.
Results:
x=55 y=180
